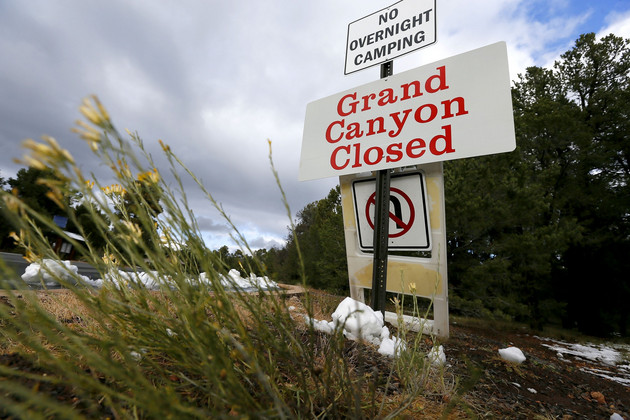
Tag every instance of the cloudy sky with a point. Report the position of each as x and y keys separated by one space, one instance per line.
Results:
x=216 y=79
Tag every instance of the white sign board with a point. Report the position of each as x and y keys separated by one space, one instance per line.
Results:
x=389 y=33
x=454 y=108
x=408 y=213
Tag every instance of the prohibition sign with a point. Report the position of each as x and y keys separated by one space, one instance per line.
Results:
x=396 y=216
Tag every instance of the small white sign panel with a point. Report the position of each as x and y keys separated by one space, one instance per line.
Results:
x=454 y=108
x=399 y=29
x=408 y=213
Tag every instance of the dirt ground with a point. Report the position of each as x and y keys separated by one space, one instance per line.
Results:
x=545 y=386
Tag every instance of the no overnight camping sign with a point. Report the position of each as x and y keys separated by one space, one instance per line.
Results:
x=455 y=108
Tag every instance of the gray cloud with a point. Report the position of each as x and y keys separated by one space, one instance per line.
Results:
x=216 y=80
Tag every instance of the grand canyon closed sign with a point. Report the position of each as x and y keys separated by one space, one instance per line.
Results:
x=454 y=108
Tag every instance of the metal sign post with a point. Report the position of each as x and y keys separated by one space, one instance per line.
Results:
x=381 y=226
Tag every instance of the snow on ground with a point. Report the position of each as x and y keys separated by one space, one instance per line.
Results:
x=360 y=322
x=615 y=366
x=596 y=353
x=436 y=356
x=512 y=354
x=234 y=278
x=49 y=272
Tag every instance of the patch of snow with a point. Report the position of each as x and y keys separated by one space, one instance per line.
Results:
x=592 y=352
x=150 y=280
x=322 y=326
x=391 y=346
x=412 y=323
x=51 y=272
x=620 y=378
x=606 y=355
x=512 y=354
x=436 y=356
x=233 y=279
x=532 y=390
x=48 y=271
x=360 y=322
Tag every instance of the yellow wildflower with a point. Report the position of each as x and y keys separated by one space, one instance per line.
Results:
x=55 y=193
x=412 y=288
x=17 y=238
x=89 y=134
x=101 y=108
x=56 y=197
x=152 y=176
x=12 y=201
x=124 y=169
x=54 y=151
x=48 y=154
x=133 y=232
x=110 y=259
x=31 y=257
x=33 y=163
x=114 y=189
x=97 y=116
x=165 y=147
x=88 y=112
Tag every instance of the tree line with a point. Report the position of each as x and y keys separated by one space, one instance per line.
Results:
x=539 y=235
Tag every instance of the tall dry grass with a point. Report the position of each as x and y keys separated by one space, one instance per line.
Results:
x=191 y=348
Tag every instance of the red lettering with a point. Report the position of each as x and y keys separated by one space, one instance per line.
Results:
x=432 y=113
x=379 y=155
x=461 y=107
x=406 y=87
x=366 y=101
x=372 y=123
x=333 y=158
x=399 y=123
x=387 y=97
x=394 y=152
x=394 y=149
x=357 y=155
x=414 y=145
x=354 y=131
x=448 y=146
x=440 y=78
x=329 y=138
x=342 y=102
